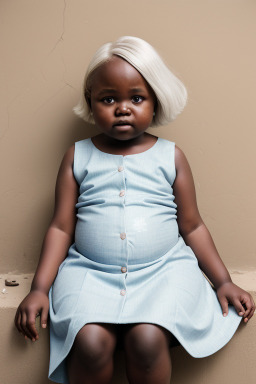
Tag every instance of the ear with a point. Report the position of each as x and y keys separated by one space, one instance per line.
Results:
x=155 y=106
x=87 y=96
x=88 y=100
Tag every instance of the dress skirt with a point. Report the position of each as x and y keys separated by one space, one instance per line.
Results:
x=128 y=263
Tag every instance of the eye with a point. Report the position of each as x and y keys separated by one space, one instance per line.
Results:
x=108 y=100
x=137 y=99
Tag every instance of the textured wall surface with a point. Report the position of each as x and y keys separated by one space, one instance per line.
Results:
x=45 y=48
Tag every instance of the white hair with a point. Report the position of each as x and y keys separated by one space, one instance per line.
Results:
x=170 y=92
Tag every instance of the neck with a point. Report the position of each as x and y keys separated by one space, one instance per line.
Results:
x=124 y=147
x=112 y=142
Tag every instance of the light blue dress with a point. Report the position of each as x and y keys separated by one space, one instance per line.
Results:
x=128 y=263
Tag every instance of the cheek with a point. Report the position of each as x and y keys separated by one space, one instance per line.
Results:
x=147 y=114
x=102 y=116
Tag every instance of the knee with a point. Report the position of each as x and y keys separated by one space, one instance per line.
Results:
x=145 y=344
x=94 y=346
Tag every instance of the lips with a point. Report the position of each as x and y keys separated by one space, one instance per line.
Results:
x=122 y=123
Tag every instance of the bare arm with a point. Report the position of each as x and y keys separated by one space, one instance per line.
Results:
x=60 y=234
x=58 y=239
x=197 y=236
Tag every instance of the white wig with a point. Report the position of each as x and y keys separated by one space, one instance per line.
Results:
x=170 y=92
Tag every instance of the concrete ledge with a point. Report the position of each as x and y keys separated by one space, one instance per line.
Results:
x=24 y=362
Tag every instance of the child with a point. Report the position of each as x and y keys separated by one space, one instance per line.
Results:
x=119 y=256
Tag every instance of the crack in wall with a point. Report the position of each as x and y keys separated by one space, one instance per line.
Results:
x=45 y=102
x=60 y=39
x=64 y=74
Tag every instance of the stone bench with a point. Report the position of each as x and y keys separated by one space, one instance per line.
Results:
x=24 y=362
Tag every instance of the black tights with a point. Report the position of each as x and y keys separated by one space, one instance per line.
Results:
x=146 y=354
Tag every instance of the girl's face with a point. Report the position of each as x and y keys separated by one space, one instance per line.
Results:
x=121 y=100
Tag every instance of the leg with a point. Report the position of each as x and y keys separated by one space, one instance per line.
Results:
x=91 y=358
x=147 y=354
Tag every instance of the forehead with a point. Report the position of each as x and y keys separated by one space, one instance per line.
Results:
x=117 y=72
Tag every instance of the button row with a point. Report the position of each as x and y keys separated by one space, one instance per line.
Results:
x=123 y=234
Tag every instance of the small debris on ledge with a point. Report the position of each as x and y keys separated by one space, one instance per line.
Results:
x=11 y=283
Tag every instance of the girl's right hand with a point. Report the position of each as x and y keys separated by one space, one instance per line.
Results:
x=35 y=303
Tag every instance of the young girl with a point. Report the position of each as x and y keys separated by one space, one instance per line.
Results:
x=118 y=260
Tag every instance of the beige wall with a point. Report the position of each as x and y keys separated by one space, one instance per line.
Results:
x=45 y=48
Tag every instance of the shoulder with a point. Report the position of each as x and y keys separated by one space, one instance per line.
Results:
x=181 y=161
x=65 y=178
x=77 y=149
x=166 y=145
x=184 y=177
x=70 y=152
x=66 y=166
x=68 y=157
x=82 y=143
x=184 y=183
x=179 y=154
x=82 y=148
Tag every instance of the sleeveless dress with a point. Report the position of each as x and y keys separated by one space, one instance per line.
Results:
x=128 y=263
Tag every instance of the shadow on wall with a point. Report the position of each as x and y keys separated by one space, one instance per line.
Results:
x=80 y=130
x=74 y=130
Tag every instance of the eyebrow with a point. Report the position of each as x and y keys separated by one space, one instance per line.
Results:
x=114 y=91
x=107 y=90
x=138 y=90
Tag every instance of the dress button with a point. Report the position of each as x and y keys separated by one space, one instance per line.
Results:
x=123 y=292
x=123 y=235
x=120 y=169
x=122 y=193
x=123 y=269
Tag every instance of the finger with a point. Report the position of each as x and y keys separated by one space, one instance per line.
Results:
x=23 y=320
x=17 y=321
x=224 y=305
x=16 y=317
x=44 y=316
x=31 y=325
x=248 y=304
x=239 y=307
x=26 y=331
x=252 y=311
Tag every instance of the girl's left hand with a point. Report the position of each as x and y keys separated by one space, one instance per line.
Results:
x=240 y=299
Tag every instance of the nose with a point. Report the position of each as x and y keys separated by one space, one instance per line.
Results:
x=122 y=109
